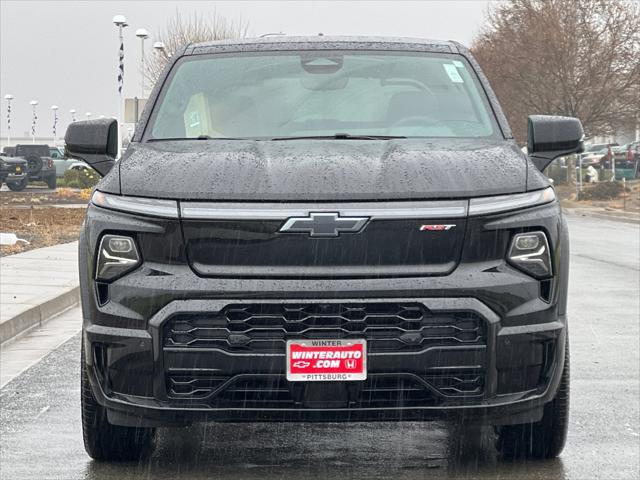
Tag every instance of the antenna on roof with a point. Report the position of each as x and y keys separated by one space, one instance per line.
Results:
x=271 y=34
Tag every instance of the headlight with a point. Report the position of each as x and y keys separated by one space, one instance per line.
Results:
x=530 y=253
x=117 y=255
x=505 y=203
x=141 y=205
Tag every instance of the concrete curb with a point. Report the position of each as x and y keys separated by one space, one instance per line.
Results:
x=617 y=218
x=624 y=217
x=38 y=314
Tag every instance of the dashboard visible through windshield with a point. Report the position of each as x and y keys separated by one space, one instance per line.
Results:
x=324 y=94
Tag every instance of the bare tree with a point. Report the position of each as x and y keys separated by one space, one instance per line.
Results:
x=181 y=30
x=567 y=57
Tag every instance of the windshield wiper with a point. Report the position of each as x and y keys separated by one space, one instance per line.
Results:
x=341 y=136
x=199 y=137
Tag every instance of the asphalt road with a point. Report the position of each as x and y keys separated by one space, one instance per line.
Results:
x=40 y=419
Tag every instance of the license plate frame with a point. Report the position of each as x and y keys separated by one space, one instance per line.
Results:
x=352 y=368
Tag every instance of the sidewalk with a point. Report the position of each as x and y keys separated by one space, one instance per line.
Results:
x=36 y=285
x=17 y=356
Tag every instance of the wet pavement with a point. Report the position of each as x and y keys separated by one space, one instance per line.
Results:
x=40 y=418
x=39 y=188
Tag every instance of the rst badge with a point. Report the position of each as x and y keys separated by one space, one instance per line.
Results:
x=436 y=227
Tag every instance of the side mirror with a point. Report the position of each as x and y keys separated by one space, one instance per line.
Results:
x=95 y=142
x=550 y=137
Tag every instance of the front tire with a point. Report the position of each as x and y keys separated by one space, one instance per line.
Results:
x=18 y=186
x=104 y=441
x=544 y=439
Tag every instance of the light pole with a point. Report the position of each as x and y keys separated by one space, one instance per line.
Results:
x=637 y=116
x=120 y=21
x=73 y=115
x=142 y=34
x=88 y=115
x=161 y=48
x=55 y=123
x=34 y=118
x=8 y=97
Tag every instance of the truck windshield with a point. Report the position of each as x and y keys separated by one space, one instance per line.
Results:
x=328 y=94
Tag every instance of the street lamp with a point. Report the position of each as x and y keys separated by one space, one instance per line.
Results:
x=8 y=97
x=121 y=22
x=55 y=123
x=142 y=34
x=88 y=115
x=34 y=118
x=73 y=114
x=161 y=48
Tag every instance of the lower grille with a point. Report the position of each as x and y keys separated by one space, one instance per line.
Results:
x=274 y=391
x=265 y=328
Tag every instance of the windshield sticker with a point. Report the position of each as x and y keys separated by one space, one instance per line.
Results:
x=458 y=63
x=194 y=119
x=452 y=71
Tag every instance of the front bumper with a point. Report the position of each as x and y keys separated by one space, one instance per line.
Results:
x=13 y=177
x=506 y=377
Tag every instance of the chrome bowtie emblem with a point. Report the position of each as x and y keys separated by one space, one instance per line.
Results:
x=324 y=224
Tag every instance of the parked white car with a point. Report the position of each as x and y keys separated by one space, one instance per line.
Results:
x=62 y=163
x=594 y=152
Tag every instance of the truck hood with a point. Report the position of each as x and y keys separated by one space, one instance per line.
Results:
x=322 y=170
x=14 y=161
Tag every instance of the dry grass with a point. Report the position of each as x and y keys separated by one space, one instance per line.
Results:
x=61 y=196
x=41 y=226
x=603 y=195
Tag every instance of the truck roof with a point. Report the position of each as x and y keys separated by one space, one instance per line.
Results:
x=324 y=42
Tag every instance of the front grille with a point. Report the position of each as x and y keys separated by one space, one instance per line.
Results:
x=265 y=328
x=273 y=391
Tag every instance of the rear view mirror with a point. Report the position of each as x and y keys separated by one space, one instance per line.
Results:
x=95 y=142
x=550 y=137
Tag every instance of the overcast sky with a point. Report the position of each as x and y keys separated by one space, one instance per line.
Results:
x=65 y=53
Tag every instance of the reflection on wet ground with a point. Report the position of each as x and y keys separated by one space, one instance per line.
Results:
x=331 y=451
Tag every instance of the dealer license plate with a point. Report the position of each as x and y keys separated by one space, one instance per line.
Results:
x=326 y=360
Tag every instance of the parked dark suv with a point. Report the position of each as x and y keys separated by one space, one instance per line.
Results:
x=324 y=229
x=13 y=172
x=40 y=164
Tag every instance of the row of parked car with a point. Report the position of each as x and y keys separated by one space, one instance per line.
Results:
x=599 y=153
x=626 y=158
x=22 y=164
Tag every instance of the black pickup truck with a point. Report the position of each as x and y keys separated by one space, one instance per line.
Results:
x=324 y=229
